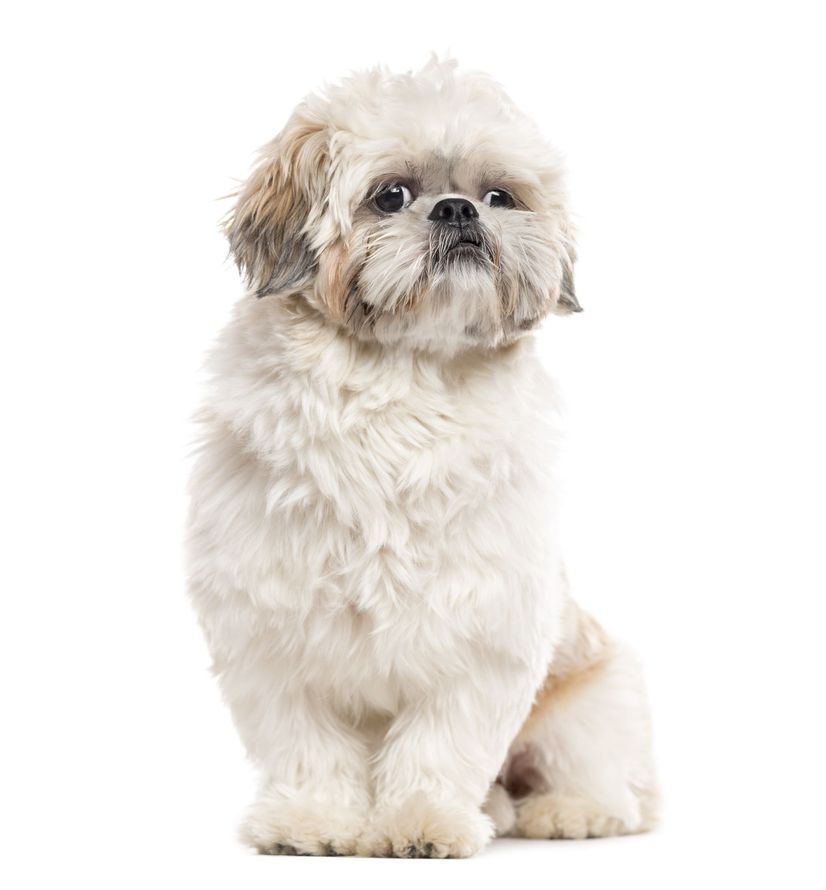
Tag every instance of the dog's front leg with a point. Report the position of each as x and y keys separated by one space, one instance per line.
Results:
x=314 y=793
x=438 y=761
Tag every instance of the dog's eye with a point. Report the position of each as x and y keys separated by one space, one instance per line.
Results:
x=393 y=198
x=498 y=198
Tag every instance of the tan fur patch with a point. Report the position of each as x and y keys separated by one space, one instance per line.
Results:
x=334 y=293
x=580 y=658
x=557 y=689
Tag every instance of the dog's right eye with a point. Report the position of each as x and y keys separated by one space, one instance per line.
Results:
x=393 y=198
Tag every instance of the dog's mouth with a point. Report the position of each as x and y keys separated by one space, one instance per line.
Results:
x=456 y=245
x=465 y=250
x=466 y=242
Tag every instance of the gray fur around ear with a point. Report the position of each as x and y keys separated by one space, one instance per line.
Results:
x=567 y=301
x=268 y=229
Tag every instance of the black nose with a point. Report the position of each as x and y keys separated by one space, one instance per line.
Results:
x=453 y=211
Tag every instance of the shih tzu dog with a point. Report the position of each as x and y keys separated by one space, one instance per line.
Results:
x=372 y=543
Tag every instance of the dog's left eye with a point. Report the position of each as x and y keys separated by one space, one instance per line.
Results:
x=498 y=198
x=393 y=198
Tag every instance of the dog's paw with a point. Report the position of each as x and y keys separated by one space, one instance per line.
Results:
x=425 y=829
x=301 y=827
x=558 y=816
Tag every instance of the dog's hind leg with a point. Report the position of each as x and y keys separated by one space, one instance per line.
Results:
x=581 y=766
x=499 y=808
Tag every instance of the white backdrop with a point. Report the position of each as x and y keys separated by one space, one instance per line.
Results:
x=694 y=383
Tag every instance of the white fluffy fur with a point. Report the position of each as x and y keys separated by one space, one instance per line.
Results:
x=372 y=548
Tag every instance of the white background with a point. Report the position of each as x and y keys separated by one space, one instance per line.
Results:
x=694 y=383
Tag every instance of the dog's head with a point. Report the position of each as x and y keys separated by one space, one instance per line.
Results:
x=419 y=208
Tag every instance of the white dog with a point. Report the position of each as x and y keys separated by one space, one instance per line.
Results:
x=372 y=544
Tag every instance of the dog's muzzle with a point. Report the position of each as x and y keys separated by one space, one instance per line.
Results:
x=456 y=232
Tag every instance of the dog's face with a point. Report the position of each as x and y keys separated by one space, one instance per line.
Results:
x=420 y=209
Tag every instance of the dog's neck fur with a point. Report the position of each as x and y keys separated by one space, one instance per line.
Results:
x=452 y=360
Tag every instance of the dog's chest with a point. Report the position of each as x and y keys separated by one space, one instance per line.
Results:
x=379 y=491
x=377 y=523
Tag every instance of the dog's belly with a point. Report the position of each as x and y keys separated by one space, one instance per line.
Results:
x=371 y=612
x=371 y=661
x=373 y=617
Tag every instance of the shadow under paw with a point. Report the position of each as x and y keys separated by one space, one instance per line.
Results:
x=290 y=850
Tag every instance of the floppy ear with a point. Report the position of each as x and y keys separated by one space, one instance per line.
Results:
x=567 y=302
x=269 y=229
